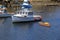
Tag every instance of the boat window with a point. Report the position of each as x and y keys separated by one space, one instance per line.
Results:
x=30 y=13
x=18 y=12
x=23 y=12
x=26 y=12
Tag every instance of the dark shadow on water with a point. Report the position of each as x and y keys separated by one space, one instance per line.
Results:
x=23 y=25
x=2 y=21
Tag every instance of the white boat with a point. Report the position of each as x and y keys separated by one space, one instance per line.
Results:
x=3 y=11
x=26 y=14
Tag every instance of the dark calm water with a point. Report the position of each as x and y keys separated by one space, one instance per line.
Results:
x=33 y=30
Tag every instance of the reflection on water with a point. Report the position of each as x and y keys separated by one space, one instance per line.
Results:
x=32 y=30
x=23 y=25
x=2 y=21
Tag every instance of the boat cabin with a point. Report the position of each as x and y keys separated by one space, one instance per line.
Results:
x=24 y=13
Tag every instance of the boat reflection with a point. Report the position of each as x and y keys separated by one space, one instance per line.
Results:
x=2 y=21
x=25 y=25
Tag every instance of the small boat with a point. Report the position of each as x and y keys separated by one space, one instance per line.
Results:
x=25 y=14
x=47 y=24
x=3 y=11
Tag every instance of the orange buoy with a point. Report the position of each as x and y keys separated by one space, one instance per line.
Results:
x=44 y=24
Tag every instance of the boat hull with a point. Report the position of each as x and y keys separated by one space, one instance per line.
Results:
x=24 y=19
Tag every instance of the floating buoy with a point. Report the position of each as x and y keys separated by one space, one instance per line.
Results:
x=44 y=24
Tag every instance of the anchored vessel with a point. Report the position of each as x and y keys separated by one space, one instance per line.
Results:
x=25 y=14
x=3 y=11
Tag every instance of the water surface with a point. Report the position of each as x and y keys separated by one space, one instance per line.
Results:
x=33 y=30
